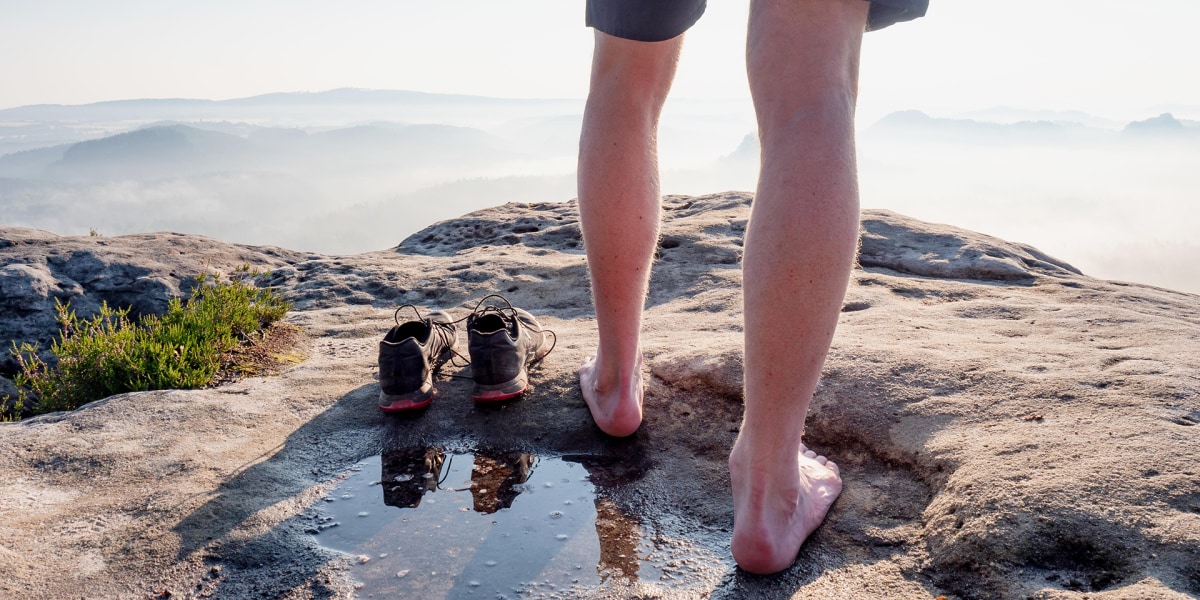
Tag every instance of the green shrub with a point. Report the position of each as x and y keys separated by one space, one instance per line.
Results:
x=11 y=408
x=111 y=354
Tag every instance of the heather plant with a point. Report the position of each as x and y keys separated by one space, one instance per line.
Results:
x=111 y=353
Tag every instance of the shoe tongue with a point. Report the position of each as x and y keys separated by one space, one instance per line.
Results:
x=412 y=329
x=490 y=322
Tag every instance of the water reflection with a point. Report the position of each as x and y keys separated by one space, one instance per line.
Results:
x=495 y=479
x=486 y=524
x=408 y=474
x=618 y=534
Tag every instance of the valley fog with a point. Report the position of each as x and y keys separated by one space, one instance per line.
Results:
x=354 y=172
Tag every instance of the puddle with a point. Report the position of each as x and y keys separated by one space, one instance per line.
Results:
x=442 y=524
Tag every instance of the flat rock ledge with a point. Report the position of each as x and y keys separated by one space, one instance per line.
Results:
x=1007 y=427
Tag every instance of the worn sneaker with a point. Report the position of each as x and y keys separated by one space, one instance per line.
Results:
x=409 y=355
x=503 y=342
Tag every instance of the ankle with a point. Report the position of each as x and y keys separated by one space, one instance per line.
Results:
x=765 y=453
x=612 y=375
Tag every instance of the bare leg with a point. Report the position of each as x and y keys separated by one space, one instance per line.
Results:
x=619 y=212
x=802 y=58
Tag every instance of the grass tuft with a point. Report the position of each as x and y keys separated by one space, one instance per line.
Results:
x=111 y=353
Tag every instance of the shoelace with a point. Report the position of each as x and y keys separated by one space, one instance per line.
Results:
x=446 y=330
x=509 y=314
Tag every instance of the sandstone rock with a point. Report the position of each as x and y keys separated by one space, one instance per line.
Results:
x=38 y=269
x=1006 y=427
x=8 y=394
x=890 y=241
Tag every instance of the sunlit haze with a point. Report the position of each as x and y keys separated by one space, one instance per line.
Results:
x=1111 y=56
x=1022 y=131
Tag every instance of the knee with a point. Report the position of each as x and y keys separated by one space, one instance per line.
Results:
x=825 y=113
x=802 y=62
x=633 y=74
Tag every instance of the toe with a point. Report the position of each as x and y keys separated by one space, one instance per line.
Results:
x=833 y=467
x=810 y=454
x=822 y=460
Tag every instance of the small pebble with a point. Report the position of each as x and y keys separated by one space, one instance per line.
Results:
x=402 y=573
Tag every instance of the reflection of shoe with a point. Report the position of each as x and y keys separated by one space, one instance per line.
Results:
x=409 y=355
x=503 y=342
x=496 y=479
x=408 y=473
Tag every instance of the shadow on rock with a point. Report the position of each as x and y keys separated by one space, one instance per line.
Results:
x=284 y=557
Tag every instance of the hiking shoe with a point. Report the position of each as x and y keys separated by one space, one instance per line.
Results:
x=503 y=342
x=409 y=355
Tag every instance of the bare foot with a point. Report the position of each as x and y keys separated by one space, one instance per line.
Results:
x=777 y=506
x=616 y=406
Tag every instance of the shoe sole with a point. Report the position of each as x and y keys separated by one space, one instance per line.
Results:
x=417 y=400
x=405 y=402
x=501 y=391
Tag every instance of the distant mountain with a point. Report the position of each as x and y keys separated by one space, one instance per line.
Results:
x=16 y=136
x=1005 y=114
x=343 y=96
x=31 y=164
x=44 y=125
x=153 y=152
x=181 y=150
x=1164 y=127
x=399 y=105
x=1187 y=111
x=915 y=125
x=748 y=150
x=154 y=144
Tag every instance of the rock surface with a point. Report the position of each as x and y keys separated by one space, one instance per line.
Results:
x=1007 y=427
x=39 y=268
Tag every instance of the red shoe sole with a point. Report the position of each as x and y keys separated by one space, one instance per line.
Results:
x=497 y=396
x=405 y=405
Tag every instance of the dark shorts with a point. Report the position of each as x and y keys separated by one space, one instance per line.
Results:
x=659 y=20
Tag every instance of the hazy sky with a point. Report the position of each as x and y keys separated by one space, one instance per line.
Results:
x=1118 y=58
